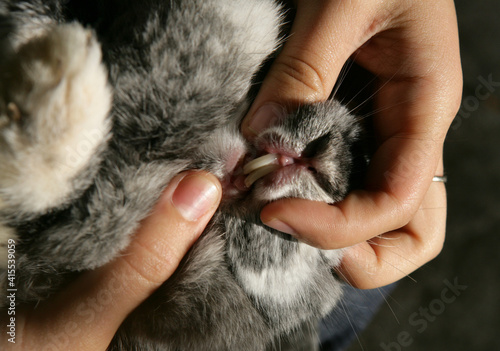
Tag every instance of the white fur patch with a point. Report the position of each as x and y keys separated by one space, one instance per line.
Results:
x=283 y=285
x=67 y=105
x=259 y=21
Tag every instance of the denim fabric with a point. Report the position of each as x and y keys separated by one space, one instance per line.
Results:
x=354 y=312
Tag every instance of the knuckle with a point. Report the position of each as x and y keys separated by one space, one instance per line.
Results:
x=457 y=96
x=435 y=251
x=431 y=241
x=434 y=246
x=303 y=76
x=404 y=209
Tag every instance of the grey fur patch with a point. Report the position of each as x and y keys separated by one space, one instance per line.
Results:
x=180 y=74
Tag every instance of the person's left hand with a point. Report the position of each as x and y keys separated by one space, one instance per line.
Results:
x=87 y=314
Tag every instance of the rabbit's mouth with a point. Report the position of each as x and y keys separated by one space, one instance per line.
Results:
x=281 y=159
x=281 y=165
x=275 y=166
x=273 y=163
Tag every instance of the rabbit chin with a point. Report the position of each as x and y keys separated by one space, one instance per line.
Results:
x=296 y=180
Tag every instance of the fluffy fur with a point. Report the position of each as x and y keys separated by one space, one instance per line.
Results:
x=86 y=147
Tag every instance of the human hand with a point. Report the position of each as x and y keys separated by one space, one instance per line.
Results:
x=87 y=314
x=397 y=222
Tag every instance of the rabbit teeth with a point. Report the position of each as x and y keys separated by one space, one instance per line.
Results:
x=260 y=162
x=260 y=167
x=264 y=165
x=259 y=173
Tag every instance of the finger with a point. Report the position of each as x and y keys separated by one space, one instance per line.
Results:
x=391 y=256
x=321 y=40
x=90 y=311
x=410 y=135
x=363 y=214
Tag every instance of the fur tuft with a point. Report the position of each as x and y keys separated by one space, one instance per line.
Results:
x=90 y=134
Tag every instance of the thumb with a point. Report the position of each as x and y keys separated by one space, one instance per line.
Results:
x=90 y=311
x=323 y=36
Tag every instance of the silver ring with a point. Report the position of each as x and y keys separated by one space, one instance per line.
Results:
x=442 y=179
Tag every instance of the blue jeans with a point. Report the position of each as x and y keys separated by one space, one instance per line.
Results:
x=356 y=309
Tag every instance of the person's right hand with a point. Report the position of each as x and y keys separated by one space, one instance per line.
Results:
x=397 y=222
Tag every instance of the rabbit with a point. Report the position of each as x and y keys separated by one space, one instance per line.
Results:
x=100 y=109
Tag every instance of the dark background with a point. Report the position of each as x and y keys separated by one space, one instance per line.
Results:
x=470 y=254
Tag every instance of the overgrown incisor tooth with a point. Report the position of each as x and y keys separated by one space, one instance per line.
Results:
x=259 y=173
x=260 y=162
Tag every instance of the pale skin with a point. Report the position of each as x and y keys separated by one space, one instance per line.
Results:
x=393 y=226
x=180 y=216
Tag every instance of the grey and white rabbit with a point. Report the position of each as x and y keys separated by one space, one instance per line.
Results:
x=92 y=130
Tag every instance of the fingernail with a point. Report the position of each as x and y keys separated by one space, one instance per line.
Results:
x=266 y=116
x=194 y=196
x=282 y=227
